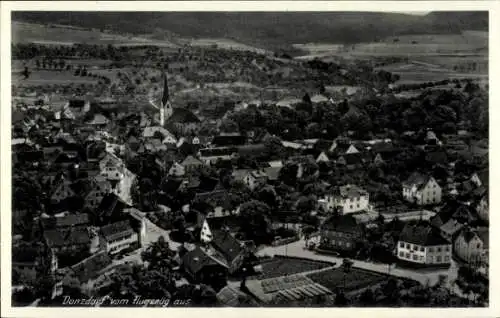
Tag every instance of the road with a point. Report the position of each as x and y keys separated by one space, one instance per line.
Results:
x=153 y=233
x=297 y=249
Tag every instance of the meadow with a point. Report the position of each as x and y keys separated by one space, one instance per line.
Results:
x=44 y=77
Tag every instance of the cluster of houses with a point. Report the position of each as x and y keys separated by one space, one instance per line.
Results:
x=458 y=229
x=82 y=152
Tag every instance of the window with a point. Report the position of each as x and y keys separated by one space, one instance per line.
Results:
x=438 y=259
x=358 y=205
x=478 y=245
x=447 y=248
x=407 y=246
x=348 y=244
x=431 y=259
x=415 y=257
x=407 y=255
x=401 y=244
x=446 y=258
x=332 y=242
x=401 y=254
x=438 y=249
x=350 y=206
x=422 y=249
x=431 y=249
x=415 y=247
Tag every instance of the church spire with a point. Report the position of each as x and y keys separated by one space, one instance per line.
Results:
x=165 y=109
x=166 y=96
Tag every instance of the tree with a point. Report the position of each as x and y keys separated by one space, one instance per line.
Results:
x=346 y=268
x=158 y=255
x=255 y=220
x=340 y=299
x=274 y=148
x=288 y=174
x=367 y=298
x=307 y=230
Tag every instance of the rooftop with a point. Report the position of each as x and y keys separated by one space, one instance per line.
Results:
x=422 y=233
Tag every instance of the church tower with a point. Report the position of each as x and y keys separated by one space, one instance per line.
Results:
x=166 y=107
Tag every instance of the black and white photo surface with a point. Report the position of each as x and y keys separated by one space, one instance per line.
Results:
x=249 y=159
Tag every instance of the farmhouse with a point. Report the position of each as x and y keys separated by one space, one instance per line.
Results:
x=421 y=189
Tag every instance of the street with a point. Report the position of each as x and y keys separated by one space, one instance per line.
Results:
x=297 y=249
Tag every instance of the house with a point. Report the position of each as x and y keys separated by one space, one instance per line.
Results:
x=231 y=296
x=340 y=232
x=90 y=268
x=233 y=250
x=422 y=244
x=349 y=198
x=482 y=208
x=191 y=164
x=25 y=261
x=99 y=120
x=110 y=166
x=176 y=170
x=378 y=160
x=118 y=236
x=62 y=192
x=481 y=178
x=322 y=157
x=318 y=98
x=255 y=179
x=450 y=229
x=111 y=209
x=159 y=132
x=470 y=247
x=351 y=161
x=421 y=189
x=431 y=138
x=272 y=173
x=123 y=188
x=212 y=155
x=183 y=121
x=465 y=214
x=64 y=221
x=67 y=240
x=101 y=187
x=205 y=267
x=342 y=147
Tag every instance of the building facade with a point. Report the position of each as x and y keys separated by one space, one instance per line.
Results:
x=422 y=190
x=349 y=199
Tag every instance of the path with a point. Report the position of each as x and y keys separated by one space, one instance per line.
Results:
x=423 y=276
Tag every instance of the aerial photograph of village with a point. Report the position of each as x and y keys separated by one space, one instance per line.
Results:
x=249 y=159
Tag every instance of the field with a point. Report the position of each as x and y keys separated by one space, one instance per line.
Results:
x=64 y=35
x=281 y=266
x=225 y=44
x=355 y=279
x=468 y=42
x=50 y=78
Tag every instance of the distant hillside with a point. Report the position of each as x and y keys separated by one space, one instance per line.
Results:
x=269 y=29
